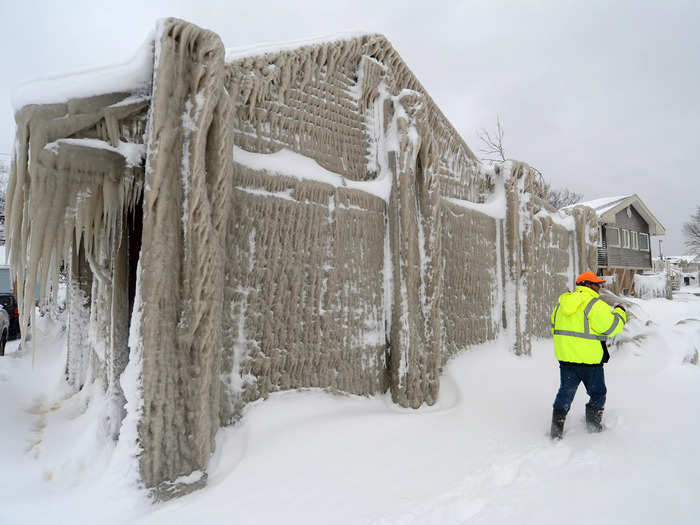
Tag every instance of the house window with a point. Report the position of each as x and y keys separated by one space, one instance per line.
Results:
x=625 y=238
x=635 y=243
x=644 y=242
x=613 y=236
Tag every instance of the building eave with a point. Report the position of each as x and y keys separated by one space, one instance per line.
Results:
x=655 y=226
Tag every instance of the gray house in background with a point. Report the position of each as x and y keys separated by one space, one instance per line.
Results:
x=625 y=227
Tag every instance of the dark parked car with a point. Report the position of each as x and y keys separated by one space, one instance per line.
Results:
x=4 y=330
x=8 y=301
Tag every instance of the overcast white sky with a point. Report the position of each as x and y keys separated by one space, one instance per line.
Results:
x=603 y=97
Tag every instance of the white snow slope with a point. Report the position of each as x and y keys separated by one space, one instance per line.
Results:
x=482 y=455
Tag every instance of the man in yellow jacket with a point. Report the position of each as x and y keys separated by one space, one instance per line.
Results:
x=581 y=322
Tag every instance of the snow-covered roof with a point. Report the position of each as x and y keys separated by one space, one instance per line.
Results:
x=131 y=76
x=236 y=53
x=684 y=258
x=603 y=204
x=607 y=207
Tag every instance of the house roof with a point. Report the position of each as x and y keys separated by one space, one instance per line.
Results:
x=688 y=259
x=607 y=207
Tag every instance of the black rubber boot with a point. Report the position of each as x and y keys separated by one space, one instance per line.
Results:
x=594 y=419
x=558 y=418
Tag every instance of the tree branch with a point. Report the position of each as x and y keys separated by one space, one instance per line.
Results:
x=493 y=148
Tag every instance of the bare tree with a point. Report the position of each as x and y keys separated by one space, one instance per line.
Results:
x=493 y=148
x=557 y=198
x=691 y=231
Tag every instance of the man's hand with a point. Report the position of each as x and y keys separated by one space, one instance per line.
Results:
x=618 y=305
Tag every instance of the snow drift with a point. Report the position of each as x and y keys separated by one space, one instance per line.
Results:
x=314 y=458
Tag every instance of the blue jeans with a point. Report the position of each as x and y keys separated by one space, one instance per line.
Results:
x=571 y=375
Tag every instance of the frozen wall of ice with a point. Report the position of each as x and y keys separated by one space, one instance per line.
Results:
x=305 y=217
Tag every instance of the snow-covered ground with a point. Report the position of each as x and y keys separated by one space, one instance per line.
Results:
x=482 y=455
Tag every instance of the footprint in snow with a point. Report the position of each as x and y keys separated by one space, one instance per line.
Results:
x=445 y=508
x=586 y=458
x=39 y=408
x=613 y=420
x=551 y=457
x=505 y=474
x=462 y=510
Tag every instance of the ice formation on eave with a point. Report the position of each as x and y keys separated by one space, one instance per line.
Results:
x=66 y=190
x=133 y=154
x=86 y=206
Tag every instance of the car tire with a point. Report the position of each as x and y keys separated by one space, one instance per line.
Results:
x=3 y=343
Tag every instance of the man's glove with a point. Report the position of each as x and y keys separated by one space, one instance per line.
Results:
x=618 y=305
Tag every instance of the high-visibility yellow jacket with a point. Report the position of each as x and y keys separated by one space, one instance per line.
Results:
x=580 y=321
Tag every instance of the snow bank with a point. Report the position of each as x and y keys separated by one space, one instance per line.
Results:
x=350 y=459
x=57 y=451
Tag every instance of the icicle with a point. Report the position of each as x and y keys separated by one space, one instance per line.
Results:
x=46 y=213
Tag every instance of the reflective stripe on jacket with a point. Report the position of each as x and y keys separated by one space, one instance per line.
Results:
x=580 y=322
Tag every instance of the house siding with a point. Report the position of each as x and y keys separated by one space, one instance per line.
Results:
x=627 y=257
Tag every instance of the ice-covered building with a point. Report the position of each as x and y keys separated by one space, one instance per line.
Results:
x=270 y=218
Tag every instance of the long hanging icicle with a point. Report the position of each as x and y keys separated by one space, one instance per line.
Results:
x=62 y=190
